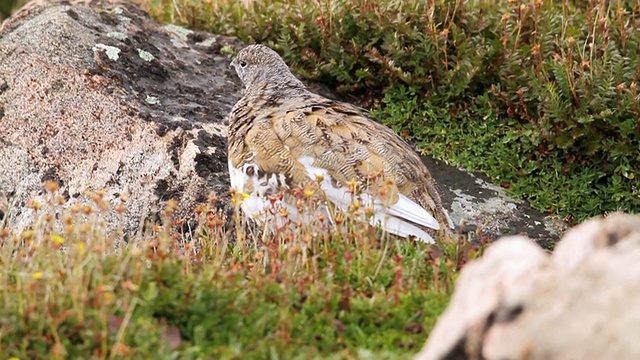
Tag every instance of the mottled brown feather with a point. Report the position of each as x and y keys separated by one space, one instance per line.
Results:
x=278 y=121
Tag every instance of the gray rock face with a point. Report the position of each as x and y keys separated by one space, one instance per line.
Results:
x=516 y=302
x=103 y=98
x=487 y=210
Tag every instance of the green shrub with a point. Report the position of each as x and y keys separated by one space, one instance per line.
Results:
x=541 y=95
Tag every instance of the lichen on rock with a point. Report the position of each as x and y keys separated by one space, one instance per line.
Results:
x=76 y=110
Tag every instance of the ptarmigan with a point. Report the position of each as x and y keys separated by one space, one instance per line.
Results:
x=283 y=137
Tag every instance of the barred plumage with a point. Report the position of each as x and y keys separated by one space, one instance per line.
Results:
x=282 y=136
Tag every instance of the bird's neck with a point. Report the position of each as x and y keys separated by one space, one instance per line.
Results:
x=269 y=81
x=272 y=94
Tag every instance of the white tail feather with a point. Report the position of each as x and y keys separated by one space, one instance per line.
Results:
x=396 y=219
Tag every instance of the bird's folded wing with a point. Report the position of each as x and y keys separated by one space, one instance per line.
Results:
x=335 y=142
x=403 y=210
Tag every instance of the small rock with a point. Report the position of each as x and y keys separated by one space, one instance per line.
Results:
x=516 y=302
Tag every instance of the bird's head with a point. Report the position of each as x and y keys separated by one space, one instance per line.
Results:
x=259 y=67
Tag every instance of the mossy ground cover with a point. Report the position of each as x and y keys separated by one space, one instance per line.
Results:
x=69 y=288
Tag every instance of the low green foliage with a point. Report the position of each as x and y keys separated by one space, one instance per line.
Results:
x=541 y=95
x=7 y=7
x=68 y=289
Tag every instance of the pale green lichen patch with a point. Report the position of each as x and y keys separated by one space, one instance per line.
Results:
x=179 y=31
x=112 y=52
x=117 y=35
x=152 y=100
x=124 y=19
x=227 y=51
x=145 y=55
x=119 y=11
x=208 y=42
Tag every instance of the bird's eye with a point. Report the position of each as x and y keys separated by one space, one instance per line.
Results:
x=243 y=64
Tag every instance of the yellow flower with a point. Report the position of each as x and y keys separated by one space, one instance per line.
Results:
x=38 y=275
x=81 y=249
x=57 y=239
x=238 y=199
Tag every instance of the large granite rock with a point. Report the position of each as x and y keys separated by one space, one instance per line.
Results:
x=103 y=98
x=517 y=302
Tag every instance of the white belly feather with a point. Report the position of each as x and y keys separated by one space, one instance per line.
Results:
x=399 y=218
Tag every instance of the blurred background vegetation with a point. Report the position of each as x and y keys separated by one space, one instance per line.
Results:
x=8 y=6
